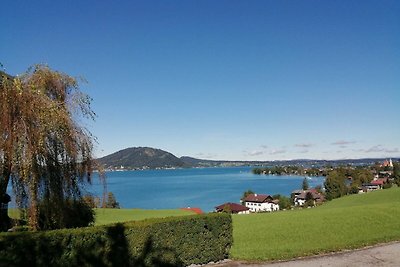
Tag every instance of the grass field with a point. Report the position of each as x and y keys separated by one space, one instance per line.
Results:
x=107 y=216
x=13 y=213
x=350 y=222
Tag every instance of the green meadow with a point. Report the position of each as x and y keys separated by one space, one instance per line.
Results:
x=349 y=222
x=107 y=216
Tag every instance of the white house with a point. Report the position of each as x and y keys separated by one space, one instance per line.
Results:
x=371 y=186
x=300 y=196
x=259 y=202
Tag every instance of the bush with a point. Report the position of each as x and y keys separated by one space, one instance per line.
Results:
x=354 y=189
x=112 y=201
x=174 y=241
x=387 y=186
x=71 y=214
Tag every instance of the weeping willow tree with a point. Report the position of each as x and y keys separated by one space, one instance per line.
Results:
x=45 y=154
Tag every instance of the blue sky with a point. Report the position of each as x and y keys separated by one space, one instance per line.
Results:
x=235 y=80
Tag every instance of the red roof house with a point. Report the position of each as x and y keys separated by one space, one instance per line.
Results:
x=232 y=207
x=258 y=198
x=195 y=210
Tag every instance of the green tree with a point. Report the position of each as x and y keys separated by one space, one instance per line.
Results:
x=387 y=185
x=257 y=171
x=284 y=202
x=246 y=193
x=353 y=189
x=112 y=201
x=318 y=188
x=309 y=200
x=362 y=176
x=92 y=201
x=335 y=184
x=305 y=185
x=45 y=154
x=396 y=173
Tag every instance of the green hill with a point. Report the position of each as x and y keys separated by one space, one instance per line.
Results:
x=349 y=222
x=141 y=157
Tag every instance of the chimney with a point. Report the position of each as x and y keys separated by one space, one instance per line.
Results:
x=255 y=195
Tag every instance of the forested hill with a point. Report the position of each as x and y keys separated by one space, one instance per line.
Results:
x=141 y=158
x=153 y=158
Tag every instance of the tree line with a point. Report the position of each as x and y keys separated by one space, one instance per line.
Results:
x=343 y=181
x=290 y=170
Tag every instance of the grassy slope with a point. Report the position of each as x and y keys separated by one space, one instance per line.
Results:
x=349 y=222
x=107 y=216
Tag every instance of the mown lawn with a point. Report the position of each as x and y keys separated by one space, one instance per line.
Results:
x=107 y=216
x=13 y=213
x=350 y=222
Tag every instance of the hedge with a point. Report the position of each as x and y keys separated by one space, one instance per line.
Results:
x=174 y=241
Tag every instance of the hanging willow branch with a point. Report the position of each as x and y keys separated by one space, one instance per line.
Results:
x=43 y=150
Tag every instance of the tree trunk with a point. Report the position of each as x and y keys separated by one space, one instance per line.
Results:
x=34 y=209
x=5 y=222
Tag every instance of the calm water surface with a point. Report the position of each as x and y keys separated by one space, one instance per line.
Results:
x=204 y=188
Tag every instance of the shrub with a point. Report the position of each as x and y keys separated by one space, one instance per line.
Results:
x=387 y=186
x=69 y=214
x=174 y=241
x=92 y=201
x=112 y=201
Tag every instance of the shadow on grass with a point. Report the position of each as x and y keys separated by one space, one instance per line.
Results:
x=112 y=249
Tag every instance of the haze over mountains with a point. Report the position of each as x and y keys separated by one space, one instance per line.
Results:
x=153 y=158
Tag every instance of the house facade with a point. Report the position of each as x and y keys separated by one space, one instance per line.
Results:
x=232 y=208
x=260 y=203
x=300 y=197
x=368 y=187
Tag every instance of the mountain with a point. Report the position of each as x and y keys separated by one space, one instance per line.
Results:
x=194 y=162
x=141 y=158
x=152 y=158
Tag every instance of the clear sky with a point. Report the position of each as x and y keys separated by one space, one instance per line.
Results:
x=234 y=80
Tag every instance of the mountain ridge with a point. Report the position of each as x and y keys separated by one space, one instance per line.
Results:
x=141 y=158
x=154 y=158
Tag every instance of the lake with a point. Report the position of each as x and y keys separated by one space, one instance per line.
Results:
x=198 y=187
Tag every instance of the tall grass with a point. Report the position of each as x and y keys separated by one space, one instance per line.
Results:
x=350 y=222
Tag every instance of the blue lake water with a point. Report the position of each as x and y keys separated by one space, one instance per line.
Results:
x=201 y=187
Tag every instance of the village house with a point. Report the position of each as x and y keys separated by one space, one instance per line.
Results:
x=260 y=202
x=384 y=174
x=368 y=187
x=232 y=208
x=375 y=184
x=300 y=197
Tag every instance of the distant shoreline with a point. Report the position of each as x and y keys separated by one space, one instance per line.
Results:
x=255 y=164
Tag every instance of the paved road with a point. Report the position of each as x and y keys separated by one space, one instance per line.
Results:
x=382 y=255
